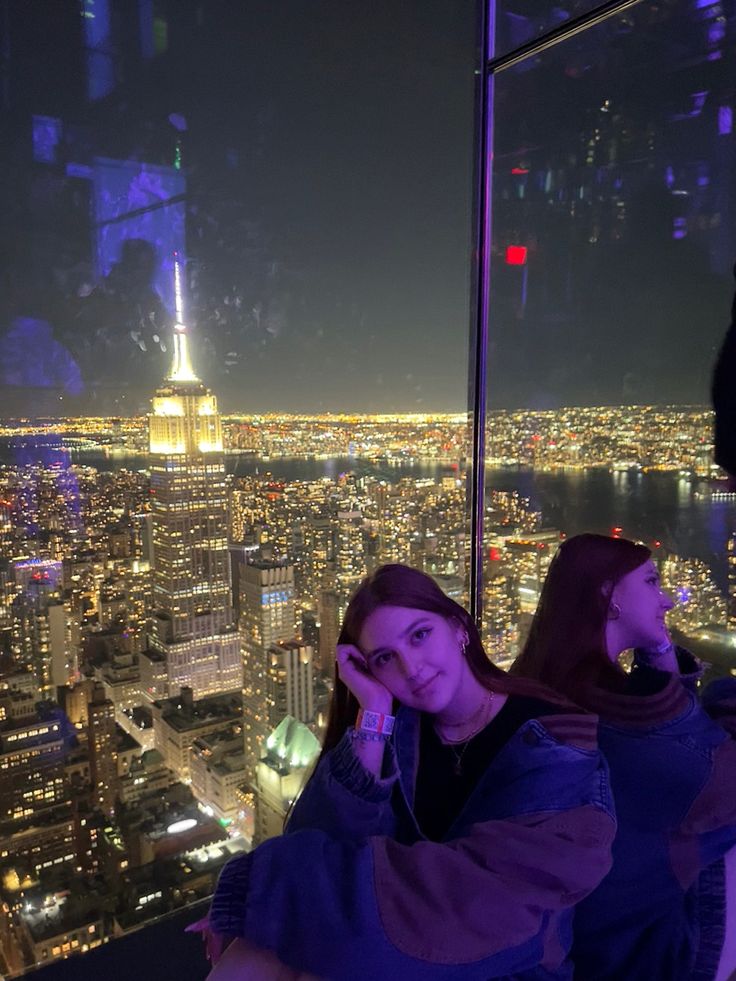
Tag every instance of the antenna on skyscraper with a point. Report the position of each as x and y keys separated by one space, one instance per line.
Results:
x=181 y=369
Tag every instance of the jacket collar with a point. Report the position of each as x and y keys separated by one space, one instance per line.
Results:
x=640 y=711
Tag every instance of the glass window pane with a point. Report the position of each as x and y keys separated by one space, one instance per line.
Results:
x=613 y=242
x=233 y=380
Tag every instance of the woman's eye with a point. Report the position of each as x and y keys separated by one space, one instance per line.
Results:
x=382 y=659
x=421 y=633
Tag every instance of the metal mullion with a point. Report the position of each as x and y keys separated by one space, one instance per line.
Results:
x=478 y=341
x=557 y=35
x=478 y=345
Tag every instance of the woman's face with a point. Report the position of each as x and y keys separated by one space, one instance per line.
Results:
x=643 y=604
x=416 y=655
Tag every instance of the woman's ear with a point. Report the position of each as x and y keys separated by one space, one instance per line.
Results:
x=461 y=632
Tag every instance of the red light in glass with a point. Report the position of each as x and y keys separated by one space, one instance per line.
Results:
x=515 y=255
x=519 y=170
x=616 y=532
x=494 y=554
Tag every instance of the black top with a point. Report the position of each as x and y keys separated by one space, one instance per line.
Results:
x=443 y=784
x=644 y=680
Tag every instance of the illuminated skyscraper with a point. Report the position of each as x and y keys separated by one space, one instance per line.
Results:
x=731 y=546
x=290 y=682
x=267 y=616
x=329 y=628
x=103 y=756
x=350 y=554
x=290 y=751
x=193 y=623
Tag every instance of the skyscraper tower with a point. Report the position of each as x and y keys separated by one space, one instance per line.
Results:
x=267 y=616
x=103 y=756
x=731 y=547
x=194 y=627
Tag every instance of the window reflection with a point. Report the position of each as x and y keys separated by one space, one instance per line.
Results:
x=612 y=216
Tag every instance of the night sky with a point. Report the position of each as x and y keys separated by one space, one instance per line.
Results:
x=328 y=157
x=362 y=194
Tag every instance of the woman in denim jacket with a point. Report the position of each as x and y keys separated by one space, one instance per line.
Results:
x=659 y=914
x=457 y=848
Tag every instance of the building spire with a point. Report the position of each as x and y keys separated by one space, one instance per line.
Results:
x=181 y=370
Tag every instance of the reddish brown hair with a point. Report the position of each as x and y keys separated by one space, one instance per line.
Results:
x=566 y=647
x=400 y=585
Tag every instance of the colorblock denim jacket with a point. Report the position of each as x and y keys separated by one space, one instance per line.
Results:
x=656 y=915
x=355 y=892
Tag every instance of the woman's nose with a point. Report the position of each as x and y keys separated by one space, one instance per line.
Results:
x=667 y=601
x=409 y=664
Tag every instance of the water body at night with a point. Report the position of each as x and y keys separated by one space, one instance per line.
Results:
x=647 y=506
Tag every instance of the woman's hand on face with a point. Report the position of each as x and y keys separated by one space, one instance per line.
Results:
x=663 y=657
x=356 y=676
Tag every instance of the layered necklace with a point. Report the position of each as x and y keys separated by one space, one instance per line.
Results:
x=478 y=721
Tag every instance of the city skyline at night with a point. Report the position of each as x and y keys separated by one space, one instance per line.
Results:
x=239 y=370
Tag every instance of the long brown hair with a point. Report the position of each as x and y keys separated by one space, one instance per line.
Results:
x=400 y=585
x=566 y=647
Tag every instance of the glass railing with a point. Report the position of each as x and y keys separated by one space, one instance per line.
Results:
x=160 y=948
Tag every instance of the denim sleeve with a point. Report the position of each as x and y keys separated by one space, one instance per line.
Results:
x=470 y=909
x=343 y=800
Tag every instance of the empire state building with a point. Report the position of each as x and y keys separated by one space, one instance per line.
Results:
x=194 y=639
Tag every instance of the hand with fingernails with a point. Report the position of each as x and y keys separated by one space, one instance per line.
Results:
x=356 y=676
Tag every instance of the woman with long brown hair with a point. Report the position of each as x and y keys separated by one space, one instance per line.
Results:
x=660 y=914
x=454 y=818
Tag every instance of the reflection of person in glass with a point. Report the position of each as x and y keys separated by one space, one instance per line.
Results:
x=450 y=843
x=122 y=326
x=660 y=913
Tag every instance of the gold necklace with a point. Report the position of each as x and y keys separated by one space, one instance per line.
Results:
x=457 y=766
x=487 y=703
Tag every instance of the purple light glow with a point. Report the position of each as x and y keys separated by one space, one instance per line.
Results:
x=725 y=120
x=716 y=32
x=31 y=357
x=133 y=202
x=100 y=69
x=46 y=138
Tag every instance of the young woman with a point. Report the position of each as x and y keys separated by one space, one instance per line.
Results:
x=451 y=842
x=659 y=914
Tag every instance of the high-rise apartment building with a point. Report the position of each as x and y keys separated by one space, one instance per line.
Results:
x=37 y=584
x=103 y=755
x=267 y=615
x=329 y=628
x=31 y=759
x=193 y=622
x=731 y=548
x=350 y=552
x=290 y=682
